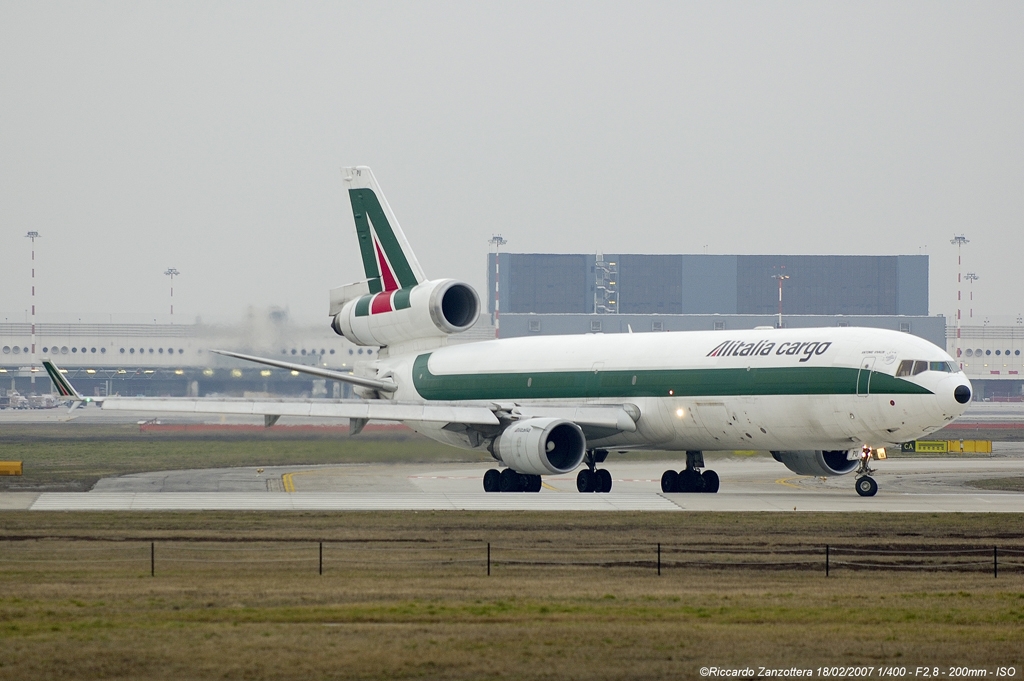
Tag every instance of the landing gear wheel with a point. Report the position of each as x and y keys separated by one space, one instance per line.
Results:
x=604 y=479
x=492 y=480
x=586 y=481
x=533 y=483
x=669 y=481
x=711 y=481
x=510 y=481
x=690 y=481
x=866 y=486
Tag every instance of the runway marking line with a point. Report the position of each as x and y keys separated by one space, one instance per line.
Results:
x=784 y=481
x=288 y=479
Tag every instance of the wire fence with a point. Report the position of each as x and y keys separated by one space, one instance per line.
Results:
x=188 y=556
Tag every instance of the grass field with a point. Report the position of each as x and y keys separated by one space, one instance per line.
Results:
x=73 y=458
x=406 y=595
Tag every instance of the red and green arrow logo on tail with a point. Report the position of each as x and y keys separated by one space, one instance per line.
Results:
x=62 y=384
x=387 y=268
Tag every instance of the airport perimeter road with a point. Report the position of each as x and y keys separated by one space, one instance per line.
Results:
x=748 y=484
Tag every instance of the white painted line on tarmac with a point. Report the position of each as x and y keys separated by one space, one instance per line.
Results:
x=152 y=501
x=543 y=501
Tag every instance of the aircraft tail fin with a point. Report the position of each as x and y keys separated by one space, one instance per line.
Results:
x=65 y=389
x=61 y=383
x=388 y=260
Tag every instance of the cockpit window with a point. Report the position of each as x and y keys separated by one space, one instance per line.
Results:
x=910 y=367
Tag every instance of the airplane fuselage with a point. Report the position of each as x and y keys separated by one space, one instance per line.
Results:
x=765 y=389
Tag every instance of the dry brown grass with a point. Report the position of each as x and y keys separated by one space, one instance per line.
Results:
x=405 y=595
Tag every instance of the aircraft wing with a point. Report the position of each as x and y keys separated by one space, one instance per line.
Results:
x=378 y=410
x=596 y=420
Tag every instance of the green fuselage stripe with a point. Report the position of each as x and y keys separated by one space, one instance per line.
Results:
x=542 y=385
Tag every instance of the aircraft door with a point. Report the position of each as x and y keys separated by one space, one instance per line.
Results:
x=867 y=365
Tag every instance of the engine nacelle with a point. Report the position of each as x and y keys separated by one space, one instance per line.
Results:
x=541 y=446
x=816 y=462
x=431 y=309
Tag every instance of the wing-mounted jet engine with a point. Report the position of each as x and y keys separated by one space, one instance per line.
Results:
x=817 y=463
x=534 y=447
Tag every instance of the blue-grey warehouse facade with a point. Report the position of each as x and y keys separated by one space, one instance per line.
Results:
x=540 y=283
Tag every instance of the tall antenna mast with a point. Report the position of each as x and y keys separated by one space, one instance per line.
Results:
x=959 y=242
x=33 y=236
x=498 y=242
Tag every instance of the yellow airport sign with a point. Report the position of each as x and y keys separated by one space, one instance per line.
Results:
x=948 y=447
x=10 y=468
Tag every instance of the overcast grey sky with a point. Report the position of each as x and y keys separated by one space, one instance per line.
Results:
x=208 y=136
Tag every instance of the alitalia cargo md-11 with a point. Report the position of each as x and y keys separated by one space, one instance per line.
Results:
x=824 y=401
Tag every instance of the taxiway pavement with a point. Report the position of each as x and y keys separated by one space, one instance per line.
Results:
x=748 y=484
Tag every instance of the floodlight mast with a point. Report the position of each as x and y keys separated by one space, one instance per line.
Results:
x=498 y=242
x=971 y=277
x=780 y=278
x=33 y=236
x=171 y=272
x=959 y=241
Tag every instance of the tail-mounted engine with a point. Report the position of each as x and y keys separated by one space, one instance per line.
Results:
x=817 y=463
x=432 y=309
x=541 y=446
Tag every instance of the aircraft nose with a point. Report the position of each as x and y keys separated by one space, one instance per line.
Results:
x=962 y=394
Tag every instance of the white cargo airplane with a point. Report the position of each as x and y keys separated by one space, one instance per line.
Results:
x=824 y=401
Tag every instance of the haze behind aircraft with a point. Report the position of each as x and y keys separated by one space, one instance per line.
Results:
x=824 y=401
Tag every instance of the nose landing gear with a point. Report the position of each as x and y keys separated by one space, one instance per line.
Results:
x=691 y=479
x=865 y=485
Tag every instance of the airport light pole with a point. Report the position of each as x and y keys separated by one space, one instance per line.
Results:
x=971 y=277
x=171 y=272
x=33 y=236
x=498 y=242
x=780 y=278
x=959 y=241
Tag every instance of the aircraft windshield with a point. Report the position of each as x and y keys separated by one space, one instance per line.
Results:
x=912 y=367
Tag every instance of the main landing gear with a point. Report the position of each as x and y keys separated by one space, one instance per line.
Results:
x=592 y=479
x=866 y=485
x=691 y=479
x=508 y=480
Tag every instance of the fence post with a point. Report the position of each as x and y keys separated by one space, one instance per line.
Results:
x=995 y=562
x=321 y=558
x=826 y=560
x=488 y=559
x=659 y=559
x=152 y=559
